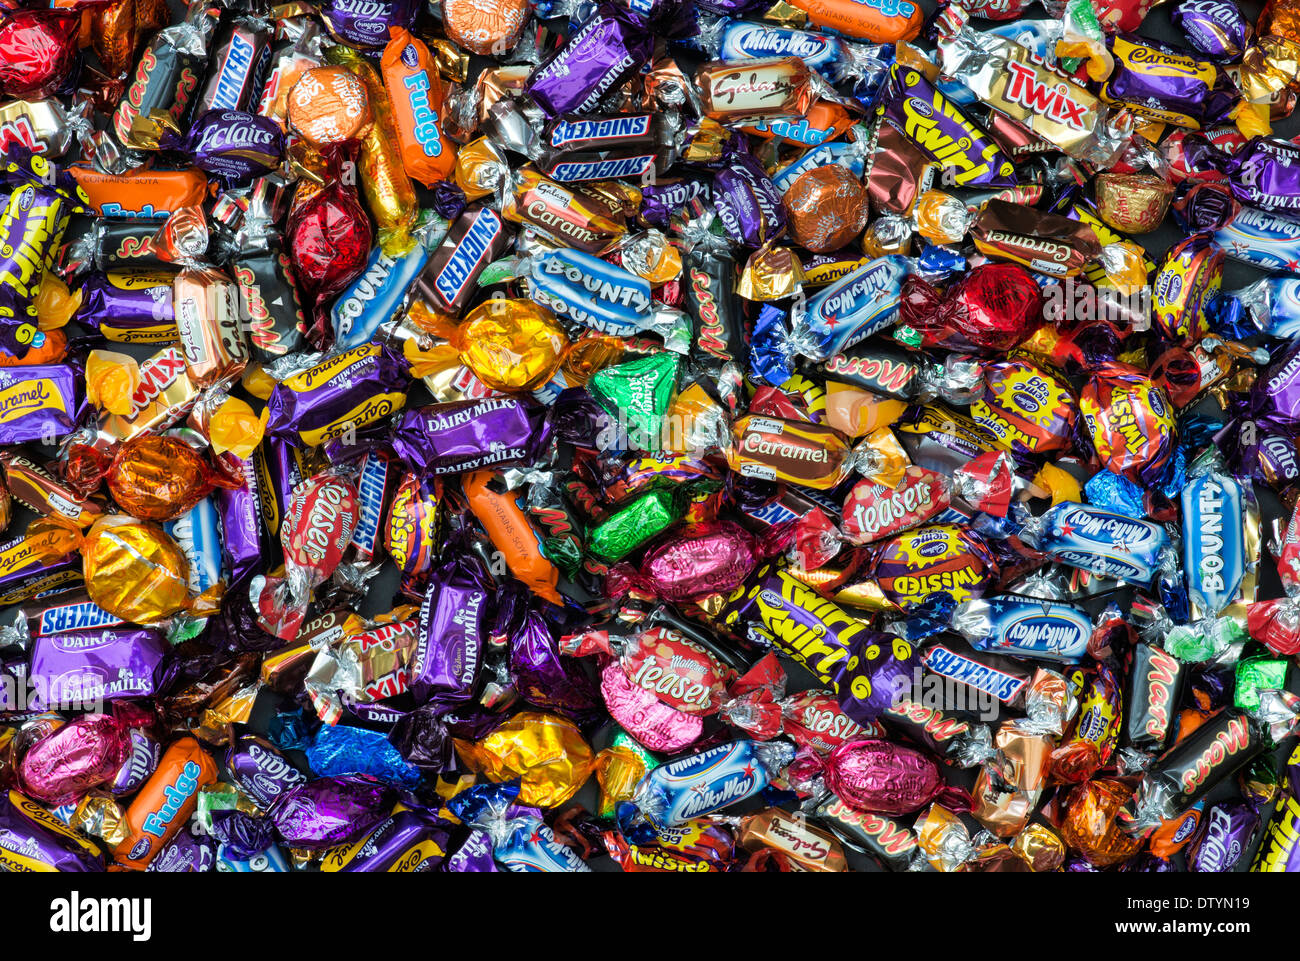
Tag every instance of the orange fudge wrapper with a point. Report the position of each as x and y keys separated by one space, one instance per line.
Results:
x=165 y=803
x=879 y=21
x=417 y=94
x=141 y=192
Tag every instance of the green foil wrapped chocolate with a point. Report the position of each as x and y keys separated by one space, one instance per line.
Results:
x=637 y=395
x=644 y=518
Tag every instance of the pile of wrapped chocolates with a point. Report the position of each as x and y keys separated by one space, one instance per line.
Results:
x=657 y=435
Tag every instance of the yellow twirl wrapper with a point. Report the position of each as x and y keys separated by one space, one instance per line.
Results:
x=547 y=753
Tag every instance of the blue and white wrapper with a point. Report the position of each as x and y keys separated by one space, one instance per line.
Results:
x=1273 y=305
x=271 y=860
x=1219 y=557
x=689 y=787
x=596 y=294
x=1107 y=543
x=375 y=297
x=1262 y=239
x=198 y=534
x=1024 y=627
x=856 y=306
x=532 y=848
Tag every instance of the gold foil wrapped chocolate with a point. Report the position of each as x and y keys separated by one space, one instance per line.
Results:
x=235 y=708
x=390 y=195
x=1133 y=203
x=546 y=752
x=100 y=817
x=1041 y=847
x=481 y=168
x=771 y=273
x=135 y=570
x=619 y=769
x=1266 y=77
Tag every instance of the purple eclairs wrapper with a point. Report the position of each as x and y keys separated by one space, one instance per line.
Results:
x=234 y=146
x=338 y=396
x=86 y=667
x=467 y=435
x=33 y=839
x=261 y=771
x=453 y=631
x=40 y=403
x=330 y=811
x=747 y=202
x=139 y=765
x=186 y=853
x=1216 y=28
x=366 y=24
x=609 y=48
x=662 y=199
x=243 y=546
x=1222 y=836
x=281 y=468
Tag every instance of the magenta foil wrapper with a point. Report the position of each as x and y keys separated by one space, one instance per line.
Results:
x=882 y=777
x=711 y=559
x=81 y=755
x=654 y=724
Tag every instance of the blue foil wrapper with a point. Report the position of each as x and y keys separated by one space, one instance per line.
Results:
x=1115 y=492
x=354 y=750
x=769 y=347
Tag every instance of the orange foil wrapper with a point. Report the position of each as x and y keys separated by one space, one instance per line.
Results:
x=1089 y=823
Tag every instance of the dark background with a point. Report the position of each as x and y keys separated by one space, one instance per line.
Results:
x=383 y=593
